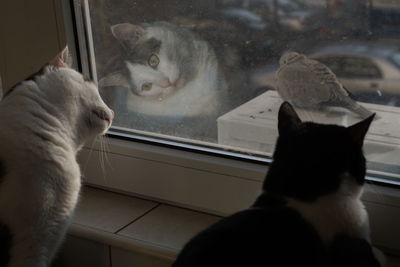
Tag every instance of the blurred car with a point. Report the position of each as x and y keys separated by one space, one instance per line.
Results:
x=340 y=18
x=245 y=17
x=294 y=14
x=291 y=14
x=246 y=35
x=370 y=72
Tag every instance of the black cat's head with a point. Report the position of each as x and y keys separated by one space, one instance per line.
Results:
x=312 y=160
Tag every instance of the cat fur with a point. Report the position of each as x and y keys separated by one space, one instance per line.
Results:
x=44 y=122
x=309 y=212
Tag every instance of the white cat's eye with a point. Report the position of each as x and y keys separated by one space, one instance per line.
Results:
x=147 y=86
x=153 y=61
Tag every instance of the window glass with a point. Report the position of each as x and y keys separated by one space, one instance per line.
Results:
x=204 y=71
x=358 y=67
x=335 y=63
x=396 y=58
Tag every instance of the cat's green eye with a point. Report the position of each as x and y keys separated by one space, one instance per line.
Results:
x=146 y=86
x=153 y=61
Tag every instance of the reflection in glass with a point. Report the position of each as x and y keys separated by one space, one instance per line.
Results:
x=205 y=70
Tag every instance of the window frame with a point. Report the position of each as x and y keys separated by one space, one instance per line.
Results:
x=201 y=180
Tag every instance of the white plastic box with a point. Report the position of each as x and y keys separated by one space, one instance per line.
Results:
x=253 y=127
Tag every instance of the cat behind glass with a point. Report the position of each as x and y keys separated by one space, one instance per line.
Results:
x=309 y=212
x=177 y=84
x=44 y=123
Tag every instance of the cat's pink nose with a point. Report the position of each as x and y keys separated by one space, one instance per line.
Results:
x=112 y=114
x=179 y=82
x=165 y=83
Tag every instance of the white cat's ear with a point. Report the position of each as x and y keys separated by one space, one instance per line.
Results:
x=358 y=131
x=288 y=119
x=63 y=59
x=127 y=32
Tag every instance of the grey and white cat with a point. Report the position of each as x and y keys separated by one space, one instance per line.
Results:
x=163 y=59
x=173 y=76
x=44 y=122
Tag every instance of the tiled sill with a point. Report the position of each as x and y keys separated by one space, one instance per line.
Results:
x=122 y=230
x=134 y=224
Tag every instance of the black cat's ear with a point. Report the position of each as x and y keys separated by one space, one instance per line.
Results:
x=358 y=131
x=126 y=32
x=288 y=119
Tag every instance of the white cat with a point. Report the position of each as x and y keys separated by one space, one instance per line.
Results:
x=43 y=124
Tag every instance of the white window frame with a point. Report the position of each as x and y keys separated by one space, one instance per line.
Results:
x=218 y=184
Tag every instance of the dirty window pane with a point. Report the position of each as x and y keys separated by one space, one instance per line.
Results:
x=334 y=63
x=396 y=58
x=358 y=67
x=204 y=71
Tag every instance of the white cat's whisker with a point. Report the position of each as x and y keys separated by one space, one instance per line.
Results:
x=101 y=159
x=90 y=155
x=106 y=151
x=103 y=152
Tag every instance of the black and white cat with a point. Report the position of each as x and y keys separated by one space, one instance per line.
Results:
x=44 y=123
x=309 y=213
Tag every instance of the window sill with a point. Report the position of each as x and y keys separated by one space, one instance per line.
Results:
x=159 y=230
x=137 y=225
x=167 y=175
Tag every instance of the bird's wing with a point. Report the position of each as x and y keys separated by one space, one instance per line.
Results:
x=301 y=82
x=338 y=93
x=328 y=80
